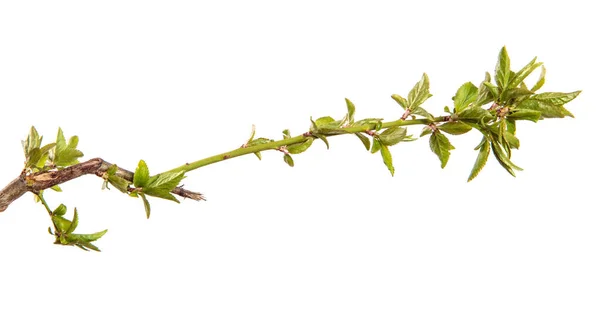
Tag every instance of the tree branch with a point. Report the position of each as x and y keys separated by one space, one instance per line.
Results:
x=40 y=181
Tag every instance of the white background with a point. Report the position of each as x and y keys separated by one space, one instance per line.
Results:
x=335 y=238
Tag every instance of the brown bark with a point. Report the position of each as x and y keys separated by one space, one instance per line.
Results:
x=40 y=181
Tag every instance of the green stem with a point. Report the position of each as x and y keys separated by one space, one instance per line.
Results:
x=44 y=203
x=295 y=140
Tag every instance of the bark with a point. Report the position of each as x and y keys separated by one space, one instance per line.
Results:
x=40 y=181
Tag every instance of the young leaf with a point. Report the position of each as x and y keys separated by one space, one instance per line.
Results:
x=513 y=94
x=503 y=159
x=421 y=112
x=161 y=185
x=484 y=152
x=387 y=158
x=74 y=223
x=503 y=69
x=494 y=91
x=60 y=210
x=141 y=175
x=523 y=73
x=73 y=141
x=420 y=93
x=120 y=183
x=324 y=121
x=364 y=140
x=549 y=104
x=392 y=136
x=541 y=80
x=82 y=241
x=376 y=146
x=286 y=134
x=300 y=147
x=65 y=155
x=455 y=128
x=33 y=141
x=466 y=94
x=440 y=145
x=146 y=205
x=475 y=114
x=427 y=130
x=351 y=110
x=400 y=100
x=323 y=138
x=61 y=223
x=484 y=95
x=167 y=181
x=288 y=160
x=525 y=114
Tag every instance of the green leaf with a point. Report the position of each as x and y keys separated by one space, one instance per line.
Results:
x=33 y=158
x=85 y=238
x=323 y=138
x=141 y=175
x=65 y=155
x=73 y=141
x=369 y=121
x=523 y=73
x=475 y=114
x=392 y=136
x=112 y=169
x=440 y=145
x=167 y=181
x=400 y=100
x=494 y=91
x=56 y=188
x=365 y=140
x=300 y=147
x=387 y=158
x=512 y=140
x=33 y=141
x=421 y=112
x=161 y=185
x=549 y=104
x=484 y=95
x=74 y=223
x=484 y=152
x=61 y=223
x=514 y=94
x=525 y=114
x=420 y=93
x=324 y=121
x=376 y=145
x=511 y=126
x=288 y=160
x=351 y=110
x=120 y=183
x=61 y=143
x=60 y=210
x=286 y=134
x=146 y=205
x=503 y=159
x=455 y=128
x=427 y=130
x=541 y=80
x=503 y=69
x=466 y=95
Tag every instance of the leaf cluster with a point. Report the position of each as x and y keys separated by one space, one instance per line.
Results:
x=64 y=230
x=60 y=154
